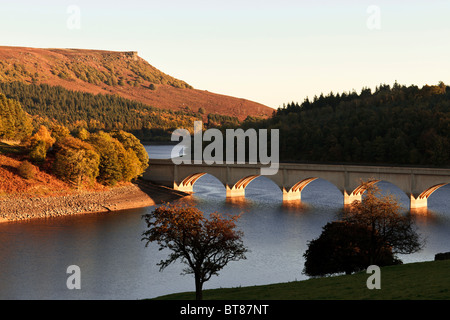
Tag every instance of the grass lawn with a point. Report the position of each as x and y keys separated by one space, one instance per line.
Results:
x=413 y=281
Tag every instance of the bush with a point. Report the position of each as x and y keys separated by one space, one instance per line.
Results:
x=442 y=256
x=82 y=134
x=27 y=170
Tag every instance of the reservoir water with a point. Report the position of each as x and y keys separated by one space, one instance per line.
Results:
x=114 y=263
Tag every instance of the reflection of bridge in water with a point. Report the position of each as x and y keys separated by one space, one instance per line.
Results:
x=417 y=183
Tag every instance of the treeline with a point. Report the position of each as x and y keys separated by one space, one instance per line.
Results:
x=80 y=157
x=75 y=109
x=392 y=125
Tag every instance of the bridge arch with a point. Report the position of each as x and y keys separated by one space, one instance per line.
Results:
x=421 y=201
x=414 y=202
x=428 y=192
x=187 y=184
x=295 y=192
x=238 y=189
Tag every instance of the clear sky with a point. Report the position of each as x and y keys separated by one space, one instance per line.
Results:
x=272 y=52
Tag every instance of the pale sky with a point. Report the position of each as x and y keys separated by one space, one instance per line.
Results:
x=272 y=52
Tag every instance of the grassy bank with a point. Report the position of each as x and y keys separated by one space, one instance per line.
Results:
x=422 y=281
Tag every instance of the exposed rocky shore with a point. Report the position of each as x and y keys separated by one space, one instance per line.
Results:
x=119 y=198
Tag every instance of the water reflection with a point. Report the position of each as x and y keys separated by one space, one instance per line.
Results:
x=115 y=264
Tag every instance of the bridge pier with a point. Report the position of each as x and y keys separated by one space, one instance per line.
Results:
x=419 y=202
x=349 y=198
x=183 y=188
x=291 y=195
x=235 y=192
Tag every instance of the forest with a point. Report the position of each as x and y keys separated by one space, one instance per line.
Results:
x=49 y=105
x=401 y=125
x=75 y=109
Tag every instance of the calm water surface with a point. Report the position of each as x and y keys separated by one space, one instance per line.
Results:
x=114 y=263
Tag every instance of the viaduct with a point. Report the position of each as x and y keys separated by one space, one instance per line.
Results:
x=292 y=178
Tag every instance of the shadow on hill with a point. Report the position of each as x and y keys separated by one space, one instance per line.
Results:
x=10 y=169
x=8 y=149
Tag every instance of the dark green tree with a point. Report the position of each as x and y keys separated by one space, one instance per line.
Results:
x=343 y=247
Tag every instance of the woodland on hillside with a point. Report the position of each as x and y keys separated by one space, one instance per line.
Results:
x=393 y=125
x=49 y=105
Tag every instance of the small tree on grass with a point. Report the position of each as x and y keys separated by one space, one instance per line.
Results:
x=383 y=216
x=204 y=245
x=372 y=231
x=343 y=247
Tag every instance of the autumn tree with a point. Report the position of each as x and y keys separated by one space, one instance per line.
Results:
x=59 y=132
x=371 y=231
x=204 y=245
x=133 y=145
x=76 y=161
x=387 y=223
x=40 y=143
x=82 y=134
x=116 y=164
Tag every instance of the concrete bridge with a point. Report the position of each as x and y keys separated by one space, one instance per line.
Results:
x=417 y=183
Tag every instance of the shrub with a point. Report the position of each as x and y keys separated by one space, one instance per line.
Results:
x=82 y=134
x=27 y=170
x=442 y=256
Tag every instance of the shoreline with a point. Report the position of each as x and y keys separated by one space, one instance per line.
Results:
x=142 y=194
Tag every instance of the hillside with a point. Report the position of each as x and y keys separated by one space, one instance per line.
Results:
x=13 y=185
x=122 y=73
